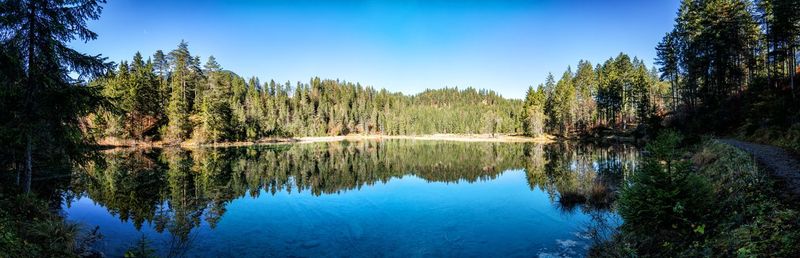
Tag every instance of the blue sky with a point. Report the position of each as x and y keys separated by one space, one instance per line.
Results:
x=405 y=46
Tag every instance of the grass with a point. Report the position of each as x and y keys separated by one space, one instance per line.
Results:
x=29 y=229
x=787 y=138
x=750 y=219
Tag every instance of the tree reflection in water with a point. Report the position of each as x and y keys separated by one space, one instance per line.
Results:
x=176 y=189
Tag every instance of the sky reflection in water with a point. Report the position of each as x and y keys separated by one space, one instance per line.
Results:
x=390 y=198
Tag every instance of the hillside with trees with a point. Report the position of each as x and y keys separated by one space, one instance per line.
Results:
x=174 y=97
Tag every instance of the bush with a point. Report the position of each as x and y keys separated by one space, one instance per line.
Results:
x=668 y=209
x=664 y=205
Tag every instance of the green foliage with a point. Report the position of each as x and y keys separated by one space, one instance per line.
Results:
x=628 y=93
x=665 y=204
x=665 y=147
x=184 y=77
x=618 y=93
x=563 y=102
x=213 y=105
x=776 y=135
x=215 y=109
x=585 y=108
x=134 y=97
x=533 y=118
x=10 y=101
x=732 y=64
x=747 y=218
x=29 y=229
x=46 y=114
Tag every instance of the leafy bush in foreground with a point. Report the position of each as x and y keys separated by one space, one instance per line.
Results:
x=665 y=204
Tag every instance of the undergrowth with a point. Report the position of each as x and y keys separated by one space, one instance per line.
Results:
x=745 y=217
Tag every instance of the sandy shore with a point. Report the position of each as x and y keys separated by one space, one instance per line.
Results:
x=433 y=137
x=269 y=141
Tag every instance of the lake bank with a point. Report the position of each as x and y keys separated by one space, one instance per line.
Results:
x=735 y=206
x=117 y=143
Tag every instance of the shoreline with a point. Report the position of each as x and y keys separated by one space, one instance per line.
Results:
x=544 y=139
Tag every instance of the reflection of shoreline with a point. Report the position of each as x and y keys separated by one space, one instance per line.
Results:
x=177 y=189
x=355 y=137
x=434 y=137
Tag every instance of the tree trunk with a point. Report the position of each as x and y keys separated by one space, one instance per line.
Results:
x=16 y=168
x=792 y=69
x=674 y=95
x=29 y=103
x=26 y=187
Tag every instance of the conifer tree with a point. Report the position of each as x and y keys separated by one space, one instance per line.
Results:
x=585 y=90
x=215 y=110
x=534 y=119
x=181 y=85
x=564 y=103
x=37 y=32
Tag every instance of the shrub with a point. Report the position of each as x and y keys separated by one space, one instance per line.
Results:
x=664 y=205
x=667 y=211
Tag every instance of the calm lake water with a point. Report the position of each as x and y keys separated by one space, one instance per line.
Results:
x=395 y=198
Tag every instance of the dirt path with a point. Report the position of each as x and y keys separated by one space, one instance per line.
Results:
x=784 y=166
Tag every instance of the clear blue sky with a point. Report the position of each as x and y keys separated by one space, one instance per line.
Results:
x=405 y=46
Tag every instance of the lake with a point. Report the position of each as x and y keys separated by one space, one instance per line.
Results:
x=395 y=198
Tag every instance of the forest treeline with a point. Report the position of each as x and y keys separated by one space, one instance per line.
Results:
x=621 y=92
x=732 y=65
x=175 y=97
x=726 y=67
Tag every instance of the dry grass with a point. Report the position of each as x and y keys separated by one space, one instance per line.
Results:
x=704 y=157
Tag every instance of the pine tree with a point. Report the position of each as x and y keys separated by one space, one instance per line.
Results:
x=642 y=93
x=667 y=58
x=585 y=89
x=181 y=85
x=237 y=103
x=534 y=118
x=215 y=110
x=161 y=67
x=144 y=113
x=37 y=32
x=549 y=105
x=564 y=103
